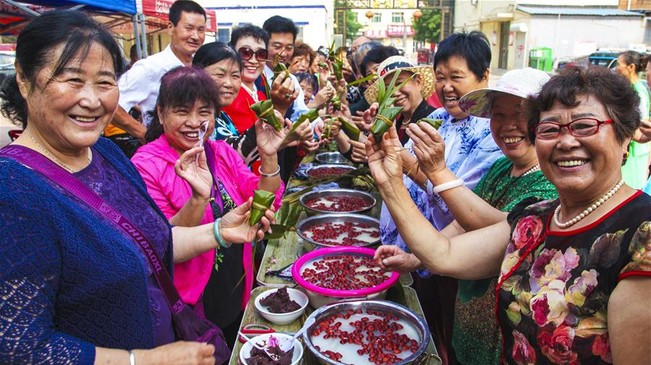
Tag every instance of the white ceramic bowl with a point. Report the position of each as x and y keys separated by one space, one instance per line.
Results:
x=284 y=339
x=282 y=318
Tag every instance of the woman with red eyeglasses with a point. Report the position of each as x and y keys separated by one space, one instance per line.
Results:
x=574 y=272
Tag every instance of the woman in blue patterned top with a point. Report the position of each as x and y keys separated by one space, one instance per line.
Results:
x=461 y=65
x=75 y=288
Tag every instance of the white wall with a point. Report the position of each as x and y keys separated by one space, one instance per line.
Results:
x=593 y=3
x=315 y=17
x=570 y=34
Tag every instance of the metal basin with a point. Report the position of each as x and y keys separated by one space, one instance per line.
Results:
x=366 y=201
x=417 y=326
x=337 y=219
x=334 y=158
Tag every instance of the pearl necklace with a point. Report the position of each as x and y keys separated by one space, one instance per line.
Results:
x=531 y=170
x=588 y=210
x=55 y=159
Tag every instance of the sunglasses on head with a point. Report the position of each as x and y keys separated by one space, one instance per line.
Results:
x=247 y=53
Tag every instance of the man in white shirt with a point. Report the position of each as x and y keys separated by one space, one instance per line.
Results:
x=139 y=86
x=282 y=35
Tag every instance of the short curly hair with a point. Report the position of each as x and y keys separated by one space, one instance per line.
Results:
x=612 y=90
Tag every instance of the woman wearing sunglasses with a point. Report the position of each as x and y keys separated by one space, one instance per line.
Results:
x=250 y=42
x=574 y=272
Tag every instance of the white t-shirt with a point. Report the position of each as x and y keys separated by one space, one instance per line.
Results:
x=139 y=86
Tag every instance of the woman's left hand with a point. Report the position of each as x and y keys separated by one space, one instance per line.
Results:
x=268 y=138
x=429 y=147
x=193 y=168
x=235 y=228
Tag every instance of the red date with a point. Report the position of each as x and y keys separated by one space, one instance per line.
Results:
x=338 y=204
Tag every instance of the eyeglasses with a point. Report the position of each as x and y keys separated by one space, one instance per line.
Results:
x=246 y=53
x=582 y=127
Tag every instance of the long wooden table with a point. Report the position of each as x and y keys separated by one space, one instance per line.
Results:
x=284 y=251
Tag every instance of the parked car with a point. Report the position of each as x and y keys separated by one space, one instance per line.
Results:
x=564 y=62
x=604 y=58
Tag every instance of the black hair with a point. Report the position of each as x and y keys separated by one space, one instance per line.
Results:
x=279 y=24
x=75 y=31
x=248 y=30
x=187 y=6
x=357 y=57
x=211 y=53
x=182 y=86
x=612 y=90
x=377 y=55
x=473 y=47
x=306 y=76
x=637 y=59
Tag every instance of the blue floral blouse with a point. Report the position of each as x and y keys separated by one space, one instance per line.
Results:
x=470 y=151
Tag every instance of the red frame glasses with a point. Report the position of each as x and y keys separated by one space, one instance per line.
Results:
x=581 y=127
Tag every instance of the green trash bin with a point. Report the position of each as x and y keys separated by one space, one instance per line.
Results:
x=541 y=59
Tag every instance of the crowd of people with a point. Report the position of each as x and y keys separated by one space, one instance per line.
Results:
x=521 y=216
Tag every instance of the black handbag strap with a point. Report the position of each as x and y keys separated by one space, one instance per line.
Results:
x=68 y=181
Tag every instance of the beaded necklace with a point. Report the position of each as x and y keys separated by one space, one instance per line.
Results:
x=587 y=210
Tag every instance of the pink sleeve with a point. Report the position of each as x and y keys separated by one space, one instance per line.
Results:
x=151 y=174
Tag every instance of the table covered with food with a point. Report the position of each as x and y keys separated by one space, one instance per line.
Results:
x=322 y=299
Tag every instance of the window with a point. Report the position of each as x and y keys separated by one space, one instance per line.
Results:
x=224 y=35
x=397 y=17
x=377 y=18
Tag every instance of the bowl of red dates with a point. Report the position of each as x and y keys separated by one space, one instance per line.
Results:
x=281 y=305
x=336 y=230
x=334 y=158
x=369 y=332
x=328 y=171
x=337 y=201
x=335 y=274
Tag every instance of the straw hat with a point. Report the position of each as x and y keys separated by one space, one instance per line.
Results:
x=393 y=63
x=522 y=82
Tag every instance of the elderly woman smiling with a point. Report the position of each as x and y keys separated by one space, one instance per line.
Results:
x=574 y=273
x=76 y=288
x=187 y=100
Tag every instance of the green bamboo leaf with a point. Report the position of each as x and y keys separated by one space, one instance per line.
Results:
x=436 y=123
x=390 y=89
x=262 y=201
x=350 y=129
x=381 y=91
x=362 y=80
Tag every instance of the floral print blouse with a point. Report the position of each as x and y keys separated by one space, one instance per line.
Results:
x=470 y=151
x=554 y=286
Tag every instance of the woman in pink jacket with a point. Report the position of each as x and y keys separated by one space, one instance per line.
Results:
x=187 y=104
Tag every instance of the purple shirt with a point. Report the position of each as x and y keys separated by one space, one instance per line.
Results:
x=101 y=177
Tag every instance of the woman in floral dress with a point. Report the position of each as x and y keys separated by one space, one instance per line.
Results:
x=574 y=273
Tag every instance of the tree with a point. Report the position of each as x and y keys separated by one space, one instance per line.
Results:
x=352 y=25
x=428 y=26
